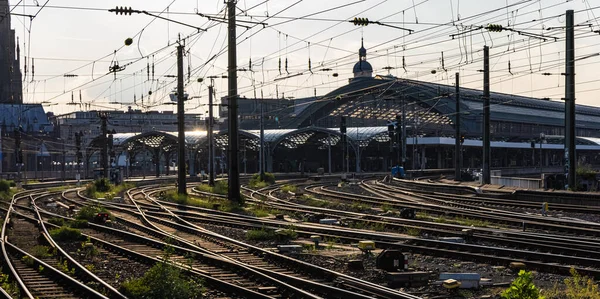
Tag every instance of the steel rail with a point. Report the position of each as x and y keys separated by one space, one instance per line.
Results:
x=152 y=260
x=3 y=238
x=367 y=285
x=113 y=292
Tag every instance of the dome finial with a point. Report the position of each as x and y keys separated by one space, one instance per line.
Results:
x=362 y=52
x=362 y=68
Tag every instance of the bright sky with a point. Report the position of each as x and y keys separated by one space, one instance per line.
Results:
x=84 y=42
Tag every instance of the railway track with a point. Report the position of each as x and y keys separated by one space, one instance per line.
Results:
x=152 y=255
x=236 y=268
x=461 y=194
x=37 y=276
x=286 y=264
x=446 y=206
x=537 y=243
x=252 y=261
x=147 y=241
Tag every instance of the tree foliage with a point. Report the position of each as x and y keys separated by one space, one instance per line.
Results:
x=522 y=288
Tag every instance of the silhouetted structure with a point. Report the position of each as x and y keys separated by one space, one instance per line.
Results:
x=10 y=73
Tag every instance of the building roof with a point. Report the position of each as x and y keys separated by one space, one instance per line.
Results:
x=293 y=138
x=440 y=99
x=29 y=117
x=362 y=66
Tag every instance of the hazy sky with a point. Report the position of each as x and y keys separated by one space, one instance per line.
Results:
x=63 y=40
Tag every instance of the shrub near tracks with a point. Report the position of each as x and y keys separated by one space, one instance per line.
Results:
x=5 y=190
x=163 y=280
x=102 y=188
x=257 y=183
x=65 y=233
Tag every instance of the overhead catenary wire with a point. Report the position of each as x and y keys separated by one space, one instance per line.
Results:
x=375 y=53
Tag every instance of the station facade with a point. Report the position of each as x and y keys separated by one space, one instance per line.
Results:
x=308 y=149
x=304 y=134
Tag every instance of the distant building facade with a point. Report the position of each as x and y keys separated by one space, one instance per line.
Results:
x=33 y=123
x=129 y=121
x=277 y=113
x=11 y=91
x=31 y=119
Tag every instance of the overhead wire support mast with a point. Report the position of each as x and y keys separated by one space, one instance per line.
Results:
x=570 y=132
x=486 y=115
x=365 y=22
x=457 y=148
x=211 y=144
x=234 y=173
x=123 y=10
x=181 y=183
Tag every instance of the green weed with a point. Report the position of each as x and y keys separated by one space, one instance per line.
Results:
x=523 y=288
x=379 y=226
x=257 y=183
x=412 y=231
x=309 y=247
x=40 y=251
x=57 y=221
x=289 y=188
x=163 y=280
x=27 y=260
x=65 y=233
x=260 y=235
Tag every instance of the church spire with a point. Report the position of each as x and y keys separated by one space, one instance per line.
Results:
x=362 y=52
x=362 y=68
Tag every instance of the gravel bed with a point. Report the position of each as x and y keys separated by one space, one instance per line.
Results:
x=240 y=235
x=105 y=264
x=115 y=271
x=341 y=205
x=337 y=260
x=499 y=276
x=352 y=189
x=559 y=214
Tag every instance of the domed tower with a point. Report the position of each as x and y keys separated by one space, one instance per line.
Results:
x=362 y=68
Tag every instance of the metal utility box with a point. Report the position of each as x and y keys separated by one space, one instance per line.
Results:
x=391 y=260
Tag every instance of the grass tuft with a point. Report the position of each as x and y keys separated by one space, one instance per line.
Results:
x=289 y=188
x=65 y=233
x=260 y=235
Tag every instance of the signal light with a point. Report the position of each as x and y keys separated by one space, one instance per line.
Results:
x=17 y=138
x=19 y=157
x=462 y=139
x=360 y=21
x=391 y=130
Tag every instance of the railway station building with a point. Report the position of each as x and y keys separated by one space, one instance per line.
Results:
x=304 y=134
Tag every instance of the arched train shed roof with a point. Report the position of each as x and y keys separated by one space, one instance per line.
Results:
x=363 y=135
